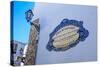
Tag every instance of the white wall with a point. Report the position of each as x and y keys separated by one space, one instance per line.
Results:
x=50 y=16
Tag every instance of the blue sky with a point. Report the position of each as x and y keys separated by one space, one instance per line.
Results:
x=21 y=27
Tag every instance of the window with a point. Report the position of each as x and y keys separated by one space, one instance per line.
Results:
x=15 y=48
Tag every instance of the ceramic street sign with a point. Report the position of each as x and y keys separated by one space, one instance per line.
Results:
x=66 y=35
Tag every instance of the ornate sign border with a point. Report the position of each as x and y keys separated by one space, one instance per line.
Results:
x=83 y=34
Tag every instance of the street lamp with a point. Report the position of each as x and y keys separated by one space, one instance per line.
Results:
x=29 y=15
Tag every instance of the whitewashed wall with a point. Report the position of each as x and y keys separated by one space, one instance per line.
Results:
x=50 y=16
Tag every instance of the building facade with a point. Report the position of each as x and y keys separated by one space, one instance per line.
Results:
x=32 y=43
x=17 y=49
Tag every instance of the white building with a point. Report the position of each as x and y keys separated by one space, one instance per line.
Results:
x=17 y=49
